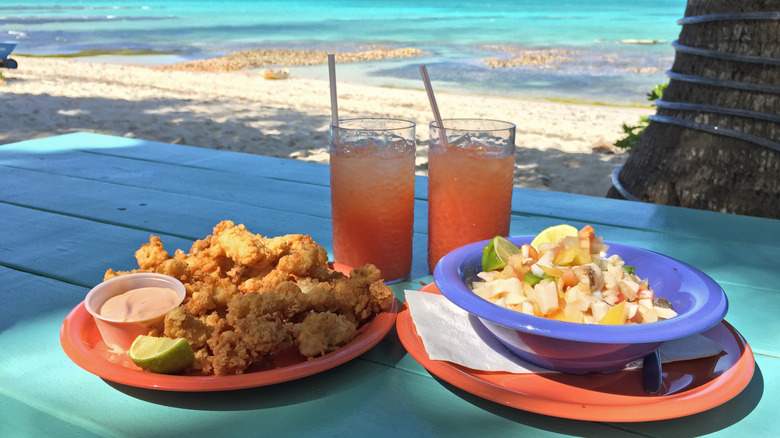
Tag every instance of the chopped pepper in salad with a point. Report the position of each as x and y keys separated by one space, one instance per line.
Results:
x=572 y=280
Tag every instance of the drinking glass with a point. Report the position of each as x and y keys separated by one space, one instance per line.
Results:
x=470 y=180
x=372 y=194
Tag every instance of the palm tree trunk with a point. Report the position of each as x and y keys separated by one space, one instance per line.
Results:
x=714 y=142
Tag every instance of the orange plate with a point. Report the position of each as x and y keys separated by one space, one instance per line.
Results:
x=688 y=387
x=84 y=346
x=82 y=343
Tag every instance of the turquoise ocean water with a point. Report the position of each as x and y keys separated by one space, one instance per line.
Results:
x=454 y=34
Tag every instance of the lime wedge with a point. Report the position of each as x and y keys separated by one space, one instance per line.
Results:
x=554 y=234
x=161 y=355
x=497 y=252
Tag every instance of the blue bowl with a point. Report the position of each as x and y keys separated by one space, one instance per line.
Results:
x=575 y=348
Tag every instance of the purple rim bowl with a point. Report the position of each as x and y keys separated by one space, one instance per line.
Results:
x=582 y=348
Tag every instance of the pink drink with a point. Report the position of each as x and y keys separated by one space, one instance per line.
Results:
x=469 y=193
x=372 y=197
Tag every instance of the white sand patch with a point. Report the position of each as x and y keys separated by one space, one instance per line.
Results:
x=241 y=111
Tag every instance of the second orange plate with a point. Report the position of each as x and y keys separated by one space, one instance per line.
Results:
x=689 y=387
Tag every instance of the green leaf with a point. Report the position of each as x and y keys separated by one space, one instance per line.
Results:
x=634 y=133
x=657 y=92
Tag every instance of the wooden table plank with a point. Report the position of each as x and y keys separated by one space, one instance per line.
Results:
x=526 y=202
x=671 y=221
x=270 y=193
x=278 y=199
x=150 y=208
x=43 y=154
x=181 y=155
x=69 y=249
x=25 y=421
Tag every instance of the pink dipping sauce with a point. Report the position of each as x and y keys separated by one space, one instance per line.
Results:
x=139 y=304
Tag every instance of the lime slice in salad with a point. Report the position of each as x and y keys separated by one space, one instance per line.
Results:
x=497 y=252
x=554 y=234
x=161 y=355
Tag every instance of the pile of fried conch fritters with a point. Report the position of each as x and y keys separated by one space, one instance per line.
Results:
x=251 y=297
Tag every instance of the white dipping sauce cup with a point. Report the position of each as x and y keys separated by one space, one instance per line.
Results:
x=119 y=335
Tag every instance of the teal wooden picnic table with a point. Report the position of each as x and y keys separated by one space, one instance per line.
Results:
x=75 y=205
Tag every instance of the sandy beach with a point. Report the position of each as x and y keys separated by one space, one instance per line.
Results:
x=561 y=146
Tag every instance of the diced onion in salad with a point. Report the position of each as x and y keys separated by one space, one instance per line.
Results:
x=572 y=280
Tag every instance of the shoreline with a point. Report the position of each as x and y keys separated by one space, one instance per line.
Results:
x=565 y=147
x=568 y=74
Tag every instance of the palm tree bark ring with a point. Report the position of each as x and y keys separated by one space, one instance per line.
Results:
x=616 y=185
x=746 y=86
x=726 y=16
x=728 y=56
x=716 y=130
x=682 y=106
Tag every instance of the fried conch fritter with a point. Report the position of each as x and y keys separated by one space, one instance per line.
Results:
x=250 y=297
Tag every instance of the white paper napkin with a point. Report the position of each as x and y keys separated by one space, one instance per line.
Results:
x=450 y=333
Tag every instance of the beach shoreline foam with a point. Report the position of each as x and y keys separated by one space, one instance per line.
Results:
x=564 y=147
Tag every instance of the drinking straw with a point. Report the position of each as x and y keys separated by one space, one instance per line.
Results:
x=334 y=108
x=432 y=100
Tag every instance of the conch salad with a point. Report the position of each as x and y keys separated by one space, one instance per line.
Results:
x=572 y=280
